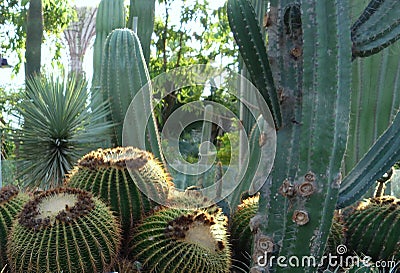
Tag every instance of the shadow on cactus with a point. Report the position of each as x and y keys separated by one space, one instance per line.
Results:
x=59 y=127
x=64 y=230
x=115 y=176
x=177 y=240
x=11 y=203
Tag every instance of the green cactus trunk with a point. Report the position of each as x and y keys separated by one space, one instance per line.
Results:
x=106 y=173
x=181 y=241
x=11 y=203
x=144 y=11
x=309 y=49
x=110 y=15
x=124 y=73
x=64 y=230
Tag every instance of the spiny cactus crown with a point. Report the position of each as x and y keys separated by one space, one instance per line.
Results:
x=61 y=204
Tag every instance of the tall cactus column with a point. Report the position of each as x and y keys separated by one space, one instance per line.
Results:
x=310 y=58
x=110 y=15
x=123 y=74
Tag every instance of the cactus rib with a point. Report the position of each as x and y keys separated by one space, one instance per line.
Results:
x=124 y=73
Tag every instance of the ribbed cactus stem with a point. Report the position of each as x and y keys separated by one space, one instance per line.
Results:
x=310 y=56
x=205 y=156
x=247 y=33
x=377 y=27
x=261 y=152
x=144 y=11
x=380 y=157
x=124 y=73
x=110 y=15
x=34 y=33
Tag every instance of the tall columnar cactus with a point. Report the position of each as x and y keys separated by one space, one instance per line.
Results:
x=374 y=106
x=373 y=228
x=310 y=48
x=310 y=52
x=144 y=11
x=180 y=241
x=118 y=177
x=11 y=203
x=64 y=230
x=123 y=74
x=110 y=15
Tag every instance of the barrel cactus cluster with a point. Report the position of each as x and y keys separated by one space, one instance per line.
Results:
x=119 y=210
x=115 y=175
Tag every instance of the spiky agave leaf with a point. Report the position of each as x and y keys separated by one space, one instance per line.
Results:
x=59 y=127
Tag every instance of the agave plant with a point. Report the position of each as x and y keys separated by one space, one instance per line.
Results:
x=59 y=127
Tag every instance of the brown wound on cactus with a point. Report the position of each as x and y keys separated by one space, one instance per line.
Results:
x=61 y=204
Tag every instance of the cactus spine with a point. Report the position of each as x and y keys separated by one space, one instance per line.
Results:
x=115 y=175
x=11 y=203
x=177 y=240
x=64 y=230
x=373 y=228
